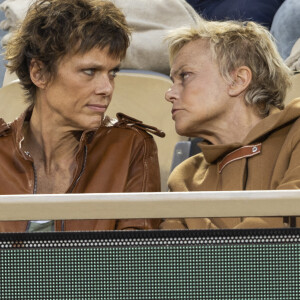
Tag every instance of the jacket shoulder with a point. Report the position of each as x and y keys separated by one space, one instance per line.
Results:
x=195 y=162
x=4 y=128
x=125 y=121
x=189 y=173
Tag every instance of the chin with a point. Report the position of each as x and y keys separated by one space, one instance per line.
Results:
x=94 y=124
x=181 y=131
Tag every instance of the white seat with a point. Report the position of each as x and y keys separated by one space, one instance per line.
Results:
x=294 y=91
x=12 y=101
x=141 y=94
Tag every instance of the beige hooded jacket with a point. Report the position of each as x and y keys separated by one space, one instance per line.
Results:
x=267 y=159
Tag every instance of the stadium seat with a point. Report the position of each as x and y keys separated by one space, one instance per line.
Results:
x=294 y=91
x=141 y=94
x=12 y=101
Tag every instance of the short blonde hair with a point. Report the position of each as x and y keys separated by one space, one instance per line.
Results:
x=234 y=44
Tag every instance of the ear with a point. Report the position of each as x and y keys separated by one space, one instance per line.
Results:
x=37 y=73
x=241 y=78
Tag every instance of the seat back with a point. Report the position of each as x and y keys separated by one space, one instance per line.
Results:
x=12 y=101
x=140 y=94
x=294 y=91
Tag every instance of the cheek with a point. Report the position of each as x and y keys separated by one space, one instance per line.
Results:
x=180 y=126
x=113 y=87
x=185 y=124
x=192 y=99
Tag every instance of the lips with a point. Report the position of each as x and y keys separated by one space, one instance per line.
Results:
x=174 y=110
x=97 y=107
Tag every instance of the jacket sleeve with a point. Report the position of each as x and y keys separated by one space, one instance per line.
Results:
x=143 y=176
x=144 y=173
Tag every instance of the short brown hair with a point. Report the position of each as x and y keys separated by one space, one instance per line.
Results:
x=234 y=44
x=54 y=28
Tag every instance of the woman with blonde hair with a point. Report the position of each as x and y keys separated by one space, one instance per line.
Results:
x=229 y=85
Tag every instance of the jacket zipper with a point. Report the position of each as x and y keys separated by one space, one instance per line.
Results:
x=35 y=179
x=34 y=191
x=76 y=181
x=72 y=187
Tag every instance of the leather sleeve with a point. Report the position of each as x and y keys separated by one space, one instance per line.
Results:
x=143 y=176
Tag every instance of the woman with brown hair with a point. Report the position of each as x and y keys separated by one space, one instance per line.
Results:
x=66 y=54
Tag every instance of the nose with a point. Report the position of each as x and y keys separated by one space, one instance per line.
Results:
x=104 y=86
x=171 y=94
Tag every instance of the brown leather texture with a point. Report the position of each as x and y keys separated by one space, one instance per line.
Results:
x=117 y=158
x=242 y=152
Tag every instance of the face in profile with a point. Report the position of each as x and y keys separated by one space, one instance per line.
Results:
x=199 y=94
x=80 y=92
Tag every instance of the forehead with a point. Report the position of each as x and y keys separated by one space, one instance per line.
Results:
x=193 y=53
x=93 y=56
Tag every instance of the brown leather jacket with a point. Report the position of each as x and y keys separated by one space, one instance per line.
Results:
x=120 y=157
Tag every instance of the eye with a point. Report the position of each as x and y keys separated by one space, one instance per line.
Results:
x=113 y=73
x=184 y=75
x=89 y=72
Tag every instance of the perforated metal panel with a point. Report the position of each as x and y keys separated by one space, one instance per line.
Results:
x=215 y=264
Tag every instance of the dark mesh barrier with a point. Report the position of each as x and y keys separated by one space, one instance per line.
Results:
x=215 y=264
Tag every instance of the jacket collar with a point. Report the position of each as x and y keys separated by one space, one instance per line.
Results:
x=84 y=137
x=274 y=120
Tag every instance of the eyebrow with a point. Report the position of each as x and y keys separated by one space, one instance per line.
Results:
x=117 y=67
x=95 y=65
x=176 y=72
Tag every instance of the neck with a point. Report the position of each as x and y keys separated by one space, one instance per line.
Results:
x=234 y=127
x=48 y=144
